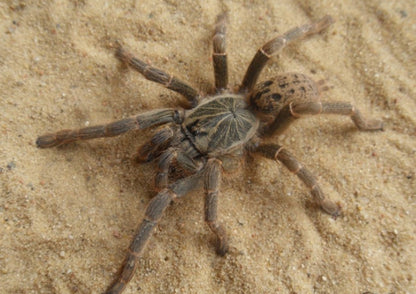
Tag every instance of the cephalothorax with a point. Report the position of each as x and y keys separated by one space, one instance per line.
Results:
x=216 y=131
x=220 y=123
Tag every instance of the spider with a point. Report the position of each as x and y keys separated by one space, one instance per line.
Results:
x=214 y=132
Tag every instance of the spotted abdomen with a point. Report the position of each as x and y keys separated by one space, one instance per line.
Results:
x=271 y=96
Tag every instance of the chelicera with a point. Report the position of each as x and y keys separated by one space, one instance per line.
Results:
x=216 y=131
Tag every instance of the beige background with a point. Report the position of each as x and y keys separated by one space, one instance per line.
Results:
x=68 y=214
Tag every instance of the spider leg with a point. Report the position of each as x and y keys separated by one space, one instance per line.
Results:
x=183 y=160
x=219 y=56
x=345 y=108
x=152 y=149
x=153 y=214
x=165 y=161
x=277 y=152
x=212 y=183
x=158 y=76
x=275 y=45
x=292 y=112
x=138 y=122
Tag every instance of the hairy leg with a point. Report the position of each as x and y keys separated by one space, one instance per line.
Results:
x=138 y=122
x=275 y=45
x=181 y=159
x=145 y=230
x=277 y=152
x=294 y=111
x=165 y=161
x=219 y=56
x=159 y=76
x=152 y=149
x=212 y=184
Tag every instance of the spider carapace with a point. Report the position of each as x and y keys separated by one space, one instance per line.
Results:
x=226 y=124
x=219 y=124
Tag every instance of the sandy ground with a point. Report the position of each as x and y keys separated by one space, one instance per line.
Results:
x=68 y=214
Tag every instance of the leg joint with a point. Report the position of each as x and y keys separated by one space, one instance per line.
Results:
x=276 y=154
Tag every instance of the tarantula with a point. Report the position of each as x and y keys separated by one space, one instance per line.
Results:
x=216 y=131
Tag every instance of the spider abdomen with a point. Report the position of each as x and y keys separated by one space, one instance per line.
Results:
x=220 y=123
x=271 y=96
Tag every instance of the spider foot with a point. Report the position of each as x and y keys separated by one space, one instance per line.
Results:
x=373 y=125
x=323 y=23
x=221 y=246
x=221 y=242
x=332 y=208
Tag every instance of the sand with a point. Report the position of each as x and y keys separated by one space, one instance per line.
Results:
x=68 y=214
